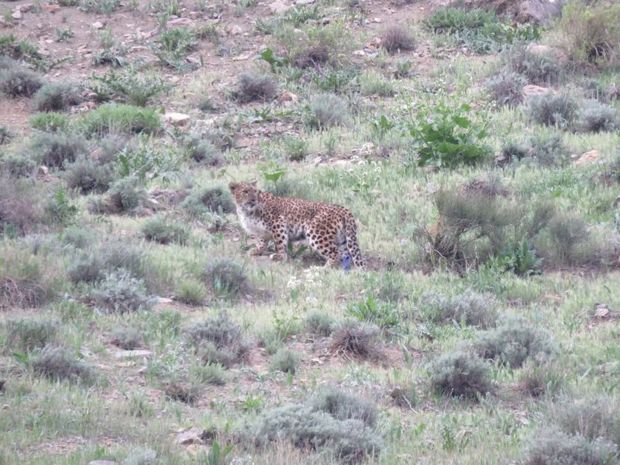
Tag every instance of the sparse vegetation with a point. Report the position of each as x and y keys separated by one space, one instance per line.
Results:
x=57 y=96
x=120 y=118
x=460 y=374
x=255 y=87
x=18 y=81
x=553 y=110
x=327 y=110
x=396 y=39
x=27 y=334
x=120 y=292
x=165 y=232
x=226 y=278
x=58 y=364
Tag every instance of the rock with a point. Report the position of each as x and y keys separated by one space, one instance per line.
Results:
x=17 y=14
x=234 y=30
x=97 y=25
x=180 y=22
x=102 y=462
x=587 y=157
x=288 y=97
x=534 y=91
x=601 y=311
x=304 y=2
x=123 y=354
x=163 y=300
x=176 y=119
x=540 y=11
x=190 y=436
x=278 y=7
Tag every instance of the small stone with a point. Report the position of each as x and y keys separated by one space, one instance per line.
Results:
x=176 y=119
x=601 y=311
x=97 y=25
x=123 y=354
x=533 y=91
x=278 y=7
x=587 y=157
x=288 y=97
x=304 y=2
x=190 y=436
x=359 y=53
x=180 y=22
x=17 y=14
x=102 y=462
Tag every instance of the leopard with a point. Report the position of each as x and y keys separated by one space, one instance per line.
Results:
x=331 y=230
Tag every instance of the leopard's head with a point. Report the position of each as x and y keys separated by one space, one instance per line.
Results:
x=245 y=194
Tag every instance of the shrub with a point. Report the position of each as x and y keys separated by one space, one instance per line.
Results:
x=594 y=116
x=566 y=241
x=57 y=96
x=226 y=279
x=211 y=373
x=460 y=374
x=164 y=232
x=344 y=406
x=173 y=45
x=321 y=324
x=100 y=6
x=119 y=292
x=191 y=292
x=375 y=84
x=469 y=308
x=6 y=135
x=59 y=364
x=397 y=38
x=591 y=32
x=26 y=280
x=384 y=315
x=19 y=214
x=127 y=338
x=327 y=110
x=285 y=360
x=54 y=150
x=255 y=87
x=208 y=200
x=124 y=196
x=537 y=68
x=448 y=138
x=203 y=151
x=78 y=237
x=310 y=57
x=114 y=117
x=219 y=340
x=540 y=379
x=128 y=86
x=59 y=209
x=87 y=176
x=182 y=392
x=50 y=122
x=91 y=265
x=17 y=166
x=506 y=88
x=296 y=148
x=592 y=417
x=514 y=342
x=548 y=149
x=26 y=334
x=552 y=447
x=349 y=440
x=355 y=338
x=405 y=395
x=17 y=81
x=553 y=110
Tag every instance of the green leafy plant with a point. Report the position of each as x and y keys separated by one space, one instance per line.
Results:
x=449 y=138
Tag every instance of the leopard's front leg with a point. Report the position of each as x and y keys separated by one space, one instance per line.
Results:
x=261 y=246
x=279 y=232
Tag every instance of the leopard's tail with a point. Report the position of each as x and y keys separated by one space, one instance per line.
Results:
x=350 y=232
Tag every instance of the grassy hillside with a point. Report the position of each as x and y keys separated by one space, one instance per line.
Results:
x=480 y=156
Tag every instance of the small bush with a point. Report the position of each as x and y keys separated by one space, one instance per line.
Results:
x=50 y=122
x=59 y=364
x=85 y=267
x=540 y=379
x=54 y=150
x=26 y=280
x=326 y=110
x=344 y=406
x=506 y=88
x=17 y=166
x=594 y=116
x=26 y=334
x=514 y=342
x=591 y=32
x=87 y=176
x=17 y=81
x=164 y=232
x=57 y=96
x=460 y=374
x=203 y=151
x=128 y=86
x=114 y=117
x=208 y=200
x=285 y=360
x=384 y=315
x=255 y=87
x=375 y=84
x=127 y=338
x=321 y=324
x=119 y=292
x=226 y=279
x=351 y=337
x=537 y=68
x=397 y=38
x=567 y=242
x=552 y=447
x=124 y=196
x=591 y=417
x=100 y=6
x=219 y=340
x=211 y=373
x=349 y=440
x=191 y=292
x=553 y=110
x=78 y=237
x=548 y=149
x=6 y=135
x=405 y=395
x=469 y=308
x=91 y=265
x=310 y=57
x=447 y=137
x=182 y=392
x=173 y=45
x=296 y=148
